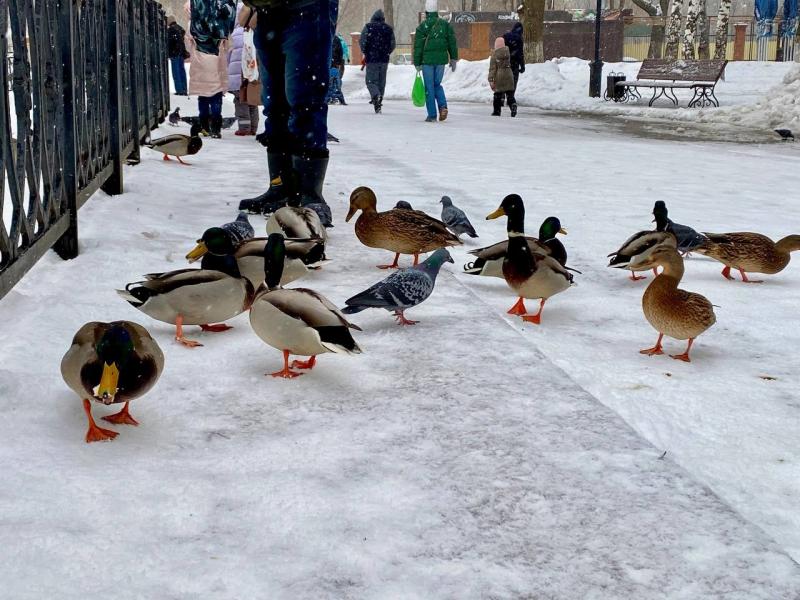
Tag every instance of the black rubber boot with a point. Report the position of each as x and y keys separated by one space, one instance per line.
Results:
x=513 y=110
x=309 y=176
x=498 y=104
x=378 y=103
x=216 y=127
x=205 y=126
x=277 y=196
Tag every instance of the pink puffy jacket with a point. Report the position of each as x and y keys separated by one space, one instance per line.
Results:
x=208 y=74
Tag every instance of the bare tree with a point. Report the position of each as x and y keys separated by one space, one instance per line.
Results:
x=702 y=32
x=692 y=13
x=532 y=18
x=388 y=12
x=655 y=9
x=723 y=17
x=673 y=29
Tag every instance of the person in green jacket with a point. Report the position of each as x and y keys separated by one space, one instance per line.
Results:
x=434 y=48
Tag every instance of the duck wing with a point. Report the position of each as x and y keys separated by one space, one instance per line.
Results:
x=417 y=219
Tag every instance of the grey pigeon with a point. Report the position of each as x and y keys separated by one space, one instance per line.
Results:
x=688 y=238
x=401 y=290
x=456 y=219
x=403 y=204
x=240 y=229
x=175 y=116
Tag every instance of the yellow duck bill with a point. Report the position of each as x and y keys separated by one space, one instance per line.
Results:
x=496 y=214
x=107 y=389
x=197 y=252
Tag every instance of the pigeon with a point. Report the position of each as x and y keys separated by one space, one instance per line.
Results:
x=403 y=204
x=401 y=290
x=456 y=219
x=785 y=134
x=175 y=116
x=688 y=238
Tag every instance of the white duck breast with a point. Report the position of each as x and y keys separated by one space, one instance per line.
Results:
x=199 y=296
x=293 y=319
x=489 y=261
x=549 y=279
x=252 y=268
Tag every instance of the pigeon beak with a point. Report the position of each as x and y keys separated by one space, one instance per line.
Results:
x=496 y=214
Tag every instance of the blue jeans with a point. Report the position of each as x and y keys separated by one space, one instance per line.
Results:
x=178 y=75
x=210 y=106
x=294 y=53
x=434 y=92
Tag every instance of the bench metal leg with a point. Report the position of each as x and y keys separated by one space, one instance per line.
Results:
x=657 y=93
x=673 y=97
x=703 y=96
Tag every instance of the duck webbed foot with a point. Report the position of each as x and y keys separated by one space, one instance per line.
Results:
x=217 y=328
x=537 y=318
x=393 y=265
x=286 y=372
x=305 y=364
x=95 y=433
x=655 y=350
x=518 y=308
x=635 y=277
x=179 y=335
x=123 y=417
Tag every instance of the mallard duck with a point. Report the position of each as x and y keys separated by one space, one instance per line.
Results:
x=456 y=219
x=751 y=252
x=177 y=144
x=401 y=231
x=192 y=297
x=529 y=274
x=223 y=240
x=670 y=310
x=296 y=222
x=297 y=321
x=688 y=239
x=639 y=246
x=489 y=260
x=111 y=363
x=402 y=290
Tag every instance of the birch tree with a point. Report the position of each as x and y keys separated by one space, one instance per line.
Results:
x=656 y=10
x=692 y=13
x=702 y=32
x=723 y=17
x=673 y=29
x=533 y=30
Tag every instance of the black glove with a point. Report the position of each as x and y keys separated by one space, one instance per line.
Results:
x=522 y=68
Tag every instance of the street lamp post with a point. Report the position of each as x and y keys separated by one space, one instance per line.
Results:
x=596 y=66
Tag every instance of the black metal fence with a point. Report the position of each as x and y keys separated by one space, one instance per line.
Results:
x=81 y=82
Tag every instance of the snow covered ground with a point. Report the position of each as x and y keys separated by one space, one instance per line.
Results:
x=466 y=457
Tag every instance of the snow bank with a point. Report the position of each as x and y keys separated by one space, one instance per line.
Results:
x=754 y=94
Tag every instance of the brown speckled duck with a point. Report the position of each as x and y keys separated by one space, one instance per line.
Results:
x=401 y=231
x=670 y=310
x=751 y=252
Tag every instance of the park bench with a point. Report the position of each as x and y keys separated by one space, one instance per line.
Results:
x=665 y=76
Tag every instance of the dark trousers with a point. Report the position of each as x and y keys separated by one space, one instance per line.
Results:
x=376 y=78
x=515 y=71
x=498 y=100
x=294 y=52
x=210 y=106
x=178 y=75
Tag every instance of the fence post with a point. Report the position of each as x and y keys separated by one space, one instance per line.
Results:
x=113 y=184
x=133 y=92
x=67 y=245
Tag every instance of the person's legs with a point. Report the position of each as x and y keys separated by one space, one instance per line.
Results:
x=372 y=76
x=253 y=110
x=497 y=103
x=428 y=75
x=242 y=113
x=204 y=112
x=215 y=107
x=512 y=103
x=515 y=71
x=441 y=100
x=178 y=75
x=382 y=69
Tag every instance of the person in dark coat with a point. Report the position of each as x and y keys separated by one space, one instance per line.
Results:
x=293 y=41
x=377 y=43
x=516 y=48
x=176 y=51
x=337 y=65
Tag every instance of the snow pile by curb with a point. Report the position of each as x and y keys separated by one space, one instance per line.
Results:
x=562 y=84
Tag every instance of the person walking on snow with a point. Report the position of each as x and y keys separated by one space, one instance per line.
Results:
x=246 y=112
x=176 y=50
x=434 y=47
x=294 y=40
x=516 y=47
x=337 y=68
x=377 y=43
x=501 y=78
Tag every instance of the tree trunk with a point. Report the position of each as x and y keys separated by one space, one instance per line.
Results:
x=673 y=29
x=724 y=15
x=654 y=11
x=702 y=32
x=533 y=30
x=388 y=12
x=689 y=30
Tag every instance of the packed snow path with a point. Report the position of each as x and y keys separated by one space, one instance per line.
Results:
x=459 y=458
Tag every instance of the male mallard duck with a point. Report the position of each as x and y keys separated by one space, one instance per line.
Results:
x=398 y=230
x=670 y=310
x=192 y=297
x=297 y=321
x=489 y=261
x=639 y=246
x=296 y=222
x=751 y=252
x=111 y=363
x=401 y=290
x=177 y=144
x=688 y=239
x=529 y=274
x=223 y=240
x=456 y=219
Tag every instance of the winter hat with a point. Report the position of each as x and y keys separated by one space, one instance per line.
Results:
x=499 y=43
x=431 y=5
x=171 y=19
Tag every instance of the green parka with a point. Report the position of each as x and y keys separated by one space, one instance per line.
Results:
x=434 y=42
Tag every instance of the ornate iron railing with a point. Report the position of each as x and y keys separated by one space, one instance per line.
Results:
x=81 y=82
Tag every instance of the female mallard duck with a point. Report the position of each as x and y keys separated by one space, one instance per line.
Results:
x=111 y=363
x=751 y=252
x=670 y=310
x=640 y=245
x=398 y=230
x=489 y=260
x=529 y=274
x=297 y=321
x=178 y=145
x=192 y=297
